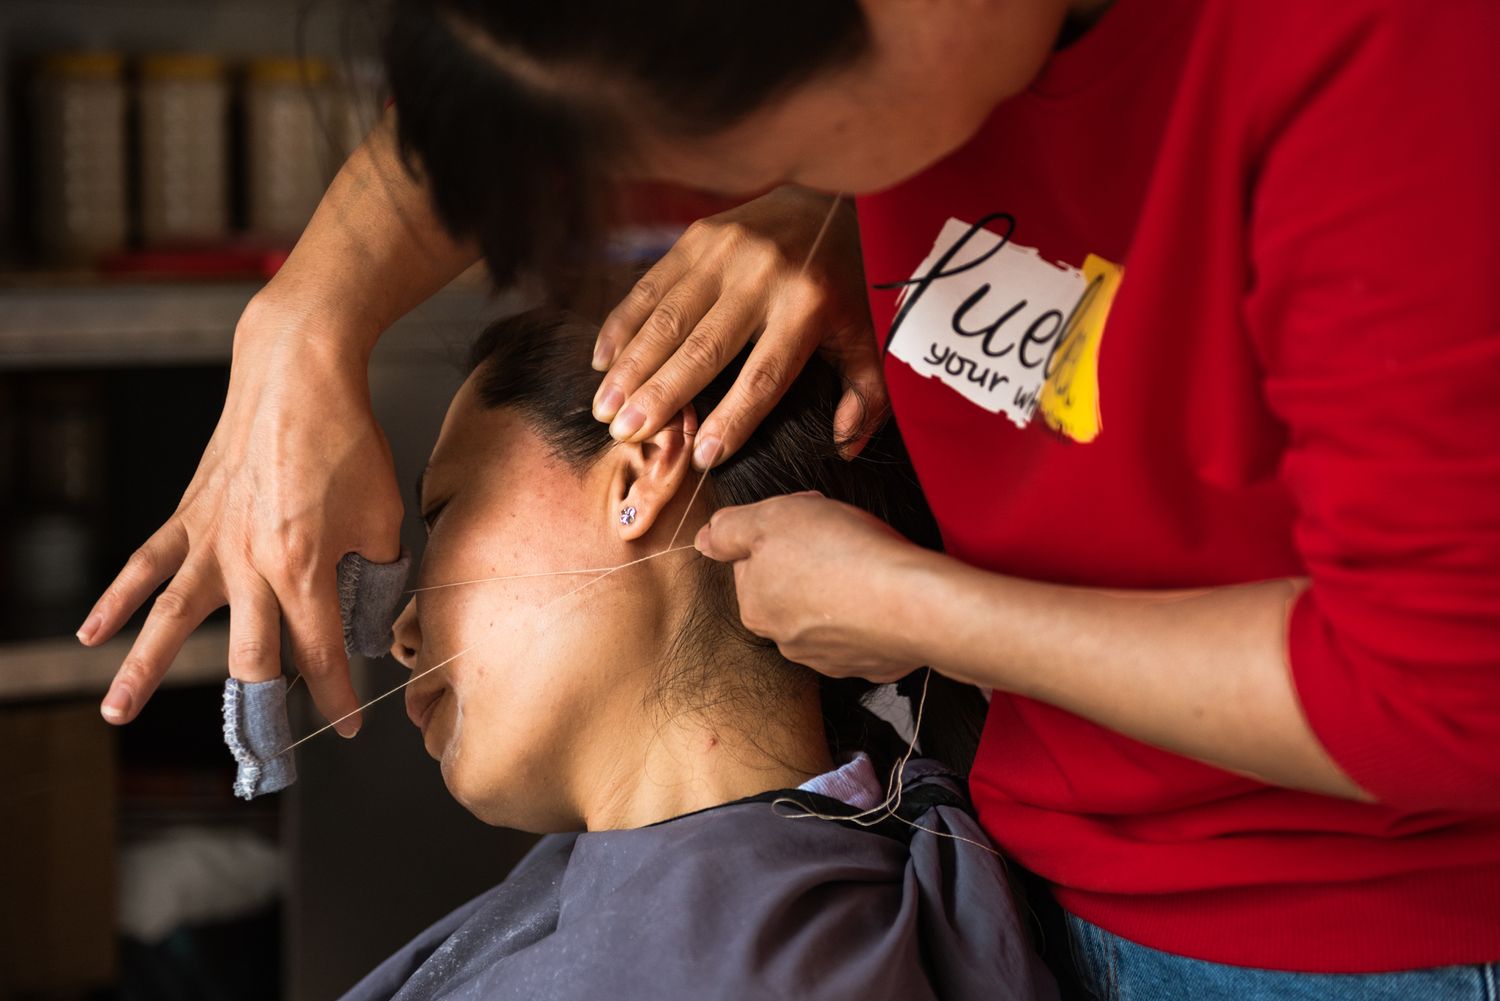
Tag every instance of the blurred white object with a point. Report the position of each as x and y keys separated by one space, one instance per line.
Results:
x=893 y=707
x=79 y=104
x=184 y=149
x=192 y=875
x=292 y=137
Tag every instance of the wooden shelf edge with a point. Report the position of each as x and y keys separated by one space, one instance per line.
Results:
x=188 y=323
x=60 y=668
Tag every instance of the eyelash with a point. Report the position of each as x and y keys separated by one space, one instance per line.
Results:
x=430 y=516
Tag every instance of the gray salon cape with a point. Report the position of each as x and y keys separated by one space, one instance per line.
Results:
x=739 y=901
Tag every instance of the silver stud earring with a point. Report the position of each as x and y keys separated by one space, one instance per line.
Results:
x=627 y=516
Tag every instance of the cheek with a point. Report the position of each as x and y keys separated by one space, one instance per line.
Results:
x=466 y=614
x=515 y=702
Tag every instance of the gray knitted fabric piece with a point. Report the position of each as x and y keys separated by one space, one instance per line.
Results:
x=369 y=598
x=256 y=728
x=255 y=718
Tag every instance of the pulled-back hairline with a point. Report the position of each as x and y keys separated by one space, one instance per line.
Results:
x=545 y=339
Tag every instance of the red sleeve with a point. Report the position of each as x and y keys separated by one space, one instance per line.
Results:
x=1375 y=305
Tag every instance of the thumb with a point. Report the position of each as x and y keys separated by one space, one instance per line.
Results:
x=729 y=534
x=864 y=405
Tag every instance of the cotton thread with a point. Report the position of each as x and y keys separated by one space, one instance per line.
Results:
x=393 y=691
x=602 y=572
x=822 y=232
x=547 y=573
x=895 y=785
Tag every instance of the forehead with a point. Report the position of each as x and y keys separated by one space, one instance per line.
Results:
x=471 y=435
x=464 y=411
x=493 y=445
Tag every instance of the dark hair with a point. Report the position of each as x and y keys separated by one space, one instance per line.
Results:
x=516 y=111
x=539 y=364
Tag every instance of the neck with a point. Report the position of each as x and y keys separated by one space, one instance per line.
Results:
x=663 y=766
x=657 y=762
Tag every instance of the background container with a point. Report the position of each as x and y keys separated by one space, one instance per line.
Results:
x=79 y=108
x=293 y=138
x=183 y=109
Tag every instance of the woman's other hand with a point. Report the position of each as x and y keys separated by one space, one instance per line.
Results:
x=732 y=277
x=826 y=581
x=297 y=474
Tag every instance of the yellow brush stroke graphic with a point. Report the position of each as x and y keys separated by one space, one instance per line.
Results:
x=1070 y=396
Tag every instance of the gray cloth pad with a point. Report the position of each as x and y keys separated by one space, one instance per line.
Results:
x=369 y=598
x=256 y=727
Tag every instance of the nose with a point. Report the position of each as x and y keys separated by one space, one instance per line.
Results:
x=406 y=641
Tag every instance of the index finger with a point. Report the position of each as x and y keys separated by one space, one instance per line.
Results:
x=156 y=560
x=627 y=318
x=195 y=591
x=769 y=371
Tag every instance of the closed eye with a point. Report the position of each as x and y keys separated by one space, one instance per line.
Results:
x=430 y=516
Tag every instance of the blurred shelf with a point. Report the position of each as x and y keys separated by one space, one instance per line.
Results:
x=56 y=325
x=55 y=668
x=51 y=322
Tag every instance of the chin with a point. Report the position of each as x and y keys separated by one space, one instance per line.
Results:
x=478 y=797
x=503 y=800
x=488 y=803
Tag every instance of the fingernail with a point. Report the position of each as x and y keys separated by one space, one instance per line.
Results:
x=608 y=404
x=627 y=423
x=116 y=704
x=348 y=728
x=89 y=628
x=706 y=452
x=601 y=356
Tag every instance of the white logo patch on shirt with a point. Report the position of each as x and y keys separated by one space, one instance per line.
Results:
x=1004 y=328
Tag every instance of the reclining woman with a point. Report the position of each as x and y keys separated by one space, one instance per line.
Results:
x=670 y=756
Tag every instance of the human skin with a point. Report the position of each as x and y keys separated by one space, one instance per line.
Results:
x=548 y=714
x=931 y=76
x=297 y=472
x=269 y=556
x=1201 y=673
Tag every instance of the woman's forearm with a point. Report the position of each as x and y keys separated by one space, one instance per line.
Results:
x=372 y=251
x=1203 y=674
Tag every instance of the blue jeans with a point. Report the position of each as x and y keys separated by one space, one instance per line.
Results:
x=1117 y=969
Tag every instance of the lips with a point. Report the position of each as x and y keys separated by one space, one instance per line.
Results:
x=419 y=706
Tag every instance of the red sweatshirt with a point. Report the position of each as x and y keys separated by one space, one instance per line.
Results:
x=1218 y=300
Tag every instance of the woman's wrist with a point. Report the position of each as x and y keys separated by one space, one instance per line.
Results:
x=296 y=315
x=917 y=609
x=955 y=619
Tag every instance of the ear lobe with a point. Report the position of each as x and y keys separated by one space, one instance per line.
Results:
x=653 y=474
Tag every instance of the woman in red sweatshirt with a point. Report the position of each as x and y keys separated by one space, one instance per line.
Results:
x=1187 y=313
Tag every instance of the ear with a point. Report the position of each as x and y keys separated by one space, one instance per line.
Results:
x=651 y=473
